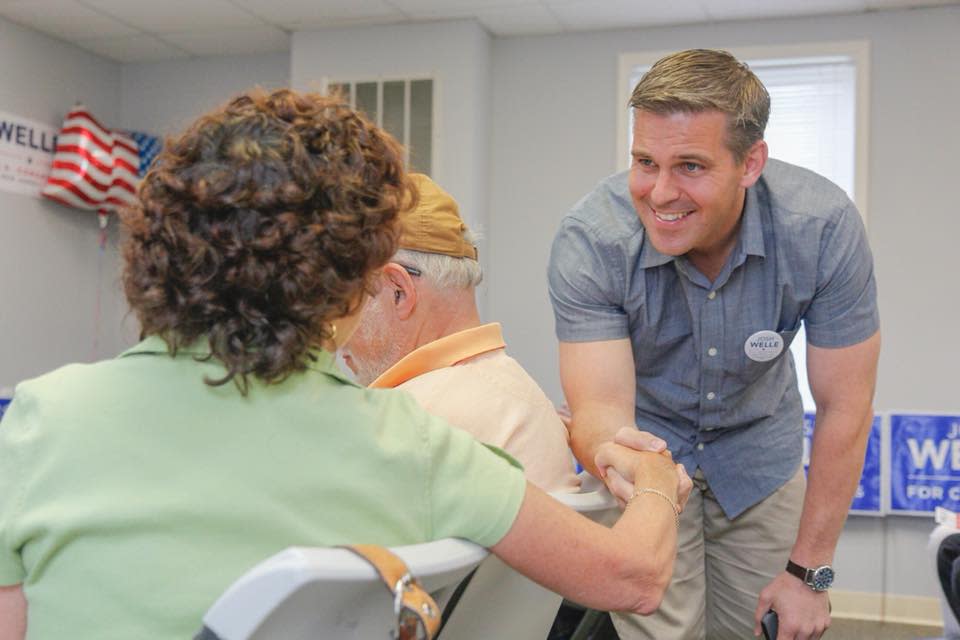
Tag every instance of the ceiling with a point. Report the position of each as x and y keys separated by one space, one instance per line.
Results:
x=144 y=30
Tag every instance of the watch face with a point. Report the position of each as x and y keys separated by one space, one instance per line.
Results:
x=822 y=578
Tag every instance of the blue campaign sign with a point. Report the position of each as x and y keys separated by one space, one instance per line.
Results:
x=924 y=463
x=866 y=500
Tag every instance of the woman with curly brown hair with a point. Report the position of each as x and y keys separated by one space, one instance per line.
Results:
x=134 y=490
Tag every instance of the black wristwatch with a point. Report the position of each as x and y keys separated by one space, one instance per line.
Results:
x=818 y=579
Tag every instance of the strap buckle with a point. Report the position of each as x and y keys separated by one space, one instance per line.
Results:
x=417 y=613
x=403 y=585
x=418 y=617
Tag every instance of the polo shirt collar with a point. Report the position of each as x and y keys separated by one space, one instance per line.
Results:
x=154 y=345
x=444 y=352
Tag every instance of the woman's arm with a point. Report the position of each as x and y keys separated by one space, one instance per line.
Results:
x=624 y=568
x=13 y=613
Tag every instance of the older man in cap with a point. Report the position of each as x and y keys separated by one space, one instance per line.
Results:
x=422 y=332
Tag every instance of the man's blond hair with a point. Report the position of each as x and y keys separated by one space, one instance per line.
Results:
x=698 y=80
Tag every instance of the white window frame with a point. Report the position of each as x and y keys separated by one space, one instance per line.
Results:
x=857 y=50
x=326 y=82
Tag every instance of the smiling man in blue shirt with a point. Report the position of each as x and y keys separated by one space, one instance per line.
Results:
x=677 y=288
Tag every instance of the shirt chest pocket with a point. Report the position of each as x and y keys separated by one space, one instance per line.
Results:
x=758 y=352
x=769 y=319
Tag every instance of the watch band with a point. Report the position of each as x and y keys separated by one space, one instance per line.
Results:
x=819 y=579
x=797 y=570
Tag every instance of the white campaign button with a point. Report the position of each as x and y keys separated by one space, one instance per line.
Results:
x=763 y=346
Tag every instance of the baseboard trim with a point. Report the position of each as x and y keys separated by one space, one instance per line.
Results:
x=878 y=607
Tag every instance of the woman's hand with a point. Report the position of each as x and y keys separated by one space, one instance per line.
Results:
x=624 y=469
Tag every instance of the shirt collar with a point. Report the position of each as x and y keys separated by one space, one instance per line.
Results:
x=444 y=352
x=155 y=345
x=751 y=231
x=650 y=257
x=750 y=241
x=323 y=362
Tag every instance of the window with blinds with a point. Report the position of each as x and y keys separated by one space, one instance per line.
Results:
x=402 y=107
x=814 y=119
x=812 y=115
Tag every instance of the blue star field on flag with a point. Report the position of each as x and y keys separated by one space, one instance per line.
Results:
x=148 y=146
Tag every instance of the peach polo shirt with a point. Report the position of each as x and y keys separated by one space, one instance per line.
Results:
x=468 y=379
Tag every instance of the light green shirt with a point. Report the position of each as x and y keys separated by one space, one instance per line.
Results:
x=132 y=494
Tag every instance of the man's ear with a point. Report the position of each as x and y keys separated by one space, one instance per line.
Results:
x=753 y=163
x=402 y=290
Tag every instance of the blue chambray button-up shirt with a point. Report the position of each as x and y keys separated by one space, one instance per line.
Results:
x=801 y=256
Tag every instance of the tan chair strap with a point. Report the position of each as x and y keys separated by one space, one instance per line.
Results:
x=414 y=607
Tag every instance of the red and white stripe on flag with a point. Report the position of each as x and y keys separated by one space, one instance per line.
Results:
x=93 y=167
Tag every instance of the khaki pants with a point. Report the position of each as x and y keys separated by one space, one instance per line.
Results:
x=721 y=567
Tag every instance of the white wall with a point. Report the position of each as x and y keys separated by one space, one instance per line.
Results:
x=51 y=267
x=457 y=55
x=165 y=97
x=554 y=136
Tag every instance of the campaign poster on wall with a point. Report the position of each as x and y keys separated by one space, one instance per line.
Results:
x=867 y=499
x=924 y=463
x=26 y=154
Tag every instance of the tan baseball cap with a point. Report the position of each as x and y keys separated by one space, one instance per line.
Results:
x=434 y=225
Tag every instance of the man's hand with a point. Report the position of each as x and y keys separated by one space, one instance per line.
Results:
x=639 y=440
x=619 y=477
x=804 y=613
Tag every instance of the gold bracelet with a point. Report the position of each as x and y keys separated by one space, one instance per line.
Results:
x=673 y=505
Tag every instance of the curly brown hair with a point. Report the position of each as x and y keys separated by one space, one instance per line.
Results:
x=262 y=223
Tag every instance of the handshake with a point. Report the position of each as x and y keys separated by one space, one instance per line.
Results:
x=637 y=462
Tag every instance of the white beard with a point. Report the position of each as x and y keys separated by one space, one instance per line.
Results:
x=374 y=334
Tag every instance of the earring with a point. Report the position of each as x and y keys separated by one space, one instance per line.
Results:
x=333 y=331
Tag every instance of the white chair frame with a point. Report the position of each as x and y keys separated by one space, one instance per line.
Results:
x=304 y=593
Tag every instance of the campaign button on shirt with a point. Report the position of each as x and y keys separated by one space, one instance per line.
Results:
x=763 y=346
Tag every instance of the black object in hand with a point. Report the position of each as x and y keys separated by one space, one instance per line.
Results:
x=769 y=625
